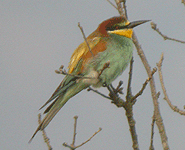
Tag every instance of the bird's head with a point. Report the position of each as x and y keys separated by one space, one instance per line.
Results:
x=119 y=26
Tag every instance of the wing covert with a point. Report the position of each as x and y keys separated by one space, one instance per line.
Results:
x=81 y=51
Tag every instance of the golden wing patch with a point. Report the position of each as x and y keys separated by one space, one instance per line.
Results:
x=80 y=52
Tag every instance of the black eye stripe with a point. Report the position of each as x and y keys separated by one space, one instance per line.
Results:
x=117 y=27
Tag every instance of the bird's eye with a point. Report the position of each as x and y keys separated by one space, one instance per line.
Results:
x=109 y=28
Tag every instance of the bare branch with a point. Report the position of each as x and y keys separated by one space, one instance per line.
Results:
x=112 y=4
x=96 y=91
x=125 y=8
x=75 y=125
x=129 y=109
x=129 y=92
x=144 y=85
x=154 y=26
x=66 y=145
x=115 y=97
x=129 y=113
x=158 y=117
x=72 y=146
x=152 y=133
x=89 y=138
x=175 y=108
x=46 y=139
x=119 y=88
x=120 y=8
x=85 y=38
x=63 y=71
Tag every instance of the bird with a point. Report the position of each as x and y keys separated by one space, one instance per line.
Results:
x=110 y=44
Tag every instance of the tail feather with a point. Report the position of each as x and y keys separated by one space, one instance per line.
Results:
x=61 y=88
x=59 y=102
x=49 y=107
x=50 y=115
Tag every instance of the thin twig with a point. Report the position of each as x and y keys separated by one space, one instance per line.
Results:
x=111 y=90
x=74 y=134
x=85 y=39
x=89 y=138
x=112 y=4
x=46 y=139
x=119 y=88
x=63 y=71
x=175 y=108
x=72 y=146
x=96 y=91
x=129 y=91
x=154 y=27
x=144 y=85
x=152 y=133
x=114 y=96
x=69 y=146
x=125 y=8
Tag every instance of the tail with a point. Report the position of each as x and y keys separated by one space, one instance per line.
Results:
x=60 y=101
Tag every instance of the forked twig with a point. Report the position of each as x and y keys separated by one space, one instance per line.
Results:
x=154 y=27
x=159 y=120
x=175 y=108
x=72 y=146
x=89 y=138
x=63 y=71
x=144 y=85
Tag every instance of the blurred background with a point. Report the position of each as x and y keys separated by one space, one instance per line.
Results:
x=39 y=36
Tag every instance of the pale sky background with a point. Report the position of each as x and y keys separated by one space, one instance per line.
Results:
x=37 y=36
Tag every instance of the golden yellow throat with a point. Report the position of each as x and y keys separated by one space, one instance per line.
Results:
x=125 y=32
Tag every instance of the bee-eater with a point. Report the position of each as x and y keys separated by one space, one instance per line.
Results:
x=110 y=43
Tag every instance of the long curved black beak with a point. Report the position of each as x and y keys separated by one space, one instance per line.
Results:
x=136 y=23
